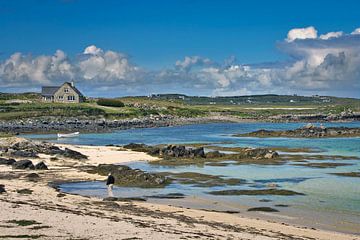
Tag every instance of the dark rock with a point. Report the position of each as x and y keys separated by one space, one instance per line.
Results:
x=41 y=166
x=2 y=188
x=34 y=177
x=24 y=191
x=5 y=161
x=23 y=153
x=73 y=154
x=214 y=154
x=126 y=176
x=23 y=164
x=262 y=209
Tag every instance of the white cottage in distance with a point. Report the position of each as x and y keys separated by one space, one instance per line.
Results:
x=66 y=93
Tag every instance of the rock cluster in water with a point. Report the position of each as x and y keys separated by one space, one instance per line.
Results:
x=309 y=131
x=173 y=151
x=126 y=176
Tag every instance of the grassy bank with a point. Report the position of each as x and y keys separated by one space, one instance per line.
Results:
x=28 y=105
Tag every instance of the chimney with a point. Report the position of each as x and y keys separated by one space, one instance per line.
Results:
x=72 y=83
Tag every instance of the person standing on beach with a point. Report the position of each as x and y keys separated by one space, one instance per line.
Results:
x=110 y=183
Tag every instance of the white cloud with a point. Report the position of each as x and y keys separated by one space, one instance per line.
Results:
x=192 y=61
x=331 y=35
x=92 y=49
x=330 y=62
x=356 y=31
x=301 y=33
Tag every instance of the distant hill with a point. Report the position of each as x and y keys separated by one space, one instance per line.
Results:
x=266 y=99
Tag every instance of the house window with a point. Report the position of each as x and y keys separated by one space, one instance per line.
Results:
x=66 y=90
x=71 y=98
x=61 y=97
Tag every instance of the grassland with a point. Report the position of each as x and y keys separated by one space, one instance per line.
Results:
x=259 y=107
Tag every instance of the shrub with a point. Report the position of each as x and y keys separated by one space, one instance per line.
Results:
x=110 y=102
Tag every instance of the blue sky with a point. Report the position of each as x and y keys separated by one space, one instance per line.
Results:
x=153 y=35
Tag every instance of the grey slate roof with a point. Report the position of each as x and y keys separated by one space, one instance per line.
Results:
x=48 y=91
x=75 y=89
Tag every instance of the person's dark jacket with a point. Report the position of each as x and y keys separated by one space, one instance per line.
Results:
x=110 y=180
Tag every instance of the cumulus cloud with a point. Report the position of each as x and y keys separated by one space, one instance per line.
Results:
x=301 y=33
x=20 y=70
x=192 y=61
x=356 y=31
x=92 y=49
x=331 y=35
x=330 y=61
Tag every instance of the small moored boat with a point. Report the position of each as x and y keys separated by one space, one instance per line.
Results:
x=74 y=134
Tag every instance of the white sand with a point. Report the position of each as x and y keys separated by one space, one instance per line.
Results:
x=77 y=217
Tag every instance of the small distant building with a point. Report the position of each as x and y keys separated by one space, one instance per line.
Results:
x=66 y=93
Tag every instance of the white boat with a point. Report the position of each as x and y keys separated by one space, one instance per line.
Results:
x=62 y=135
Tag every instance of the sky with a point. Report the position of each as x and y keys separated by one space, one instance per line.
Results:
x=197 y=47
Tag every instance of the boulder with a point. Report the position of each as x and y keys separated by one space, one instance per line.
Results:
x=214 y=154
x=199 y=152
x=5 y=161
x=2 y=188
x=23 y=153
x=73 y=154
x=23 y=164
x=41 y=166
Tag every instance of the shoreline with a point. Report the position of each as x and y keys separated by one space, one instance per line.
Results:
x=51 y=125
x=131 y=219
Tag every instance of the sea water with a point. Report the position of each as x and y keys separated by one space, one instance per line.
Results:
x=336 y=198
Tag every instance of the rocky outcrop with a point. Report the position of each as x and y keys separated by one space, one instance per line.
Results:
x=126 y=176
x=6 y=161
x=168 y=151
x=31 y=149
x=309 y=131
x=71 y=124
x=41 y=166
x=181 y=151
x=23 y=164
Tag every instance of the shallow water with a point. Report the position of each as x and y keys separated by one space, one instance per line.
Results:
x=325 y=194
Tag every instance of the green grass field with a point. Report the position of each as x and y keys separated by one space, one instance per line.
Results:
x=260 y=106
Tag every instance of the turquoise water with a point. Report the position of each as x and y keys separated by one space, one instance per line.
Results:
x=324 y=193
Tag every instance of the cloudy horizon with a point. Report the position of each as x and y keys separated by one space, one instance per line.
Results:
x=312 y=62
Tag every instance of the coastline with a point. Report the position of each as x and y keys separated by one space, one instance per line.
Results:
x=55 y=125
x=90 y=217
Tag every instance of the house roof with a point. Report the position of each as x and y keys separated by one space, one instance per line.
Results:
x=49 y=91
x=75 y=89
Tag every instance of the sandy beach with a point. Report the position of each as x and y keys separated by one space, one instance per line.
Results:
x=65 y=216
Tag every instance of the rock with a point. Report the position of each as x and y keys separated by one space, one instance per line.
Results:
x=126 y=176
x=23 y=164
x=214 y=154
x=5 y=161
x=41 y=166
x=2 y=188
x=271 y=155
x=23 y=153
x=199 y=152
x=33 y=177
x=73 y=154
